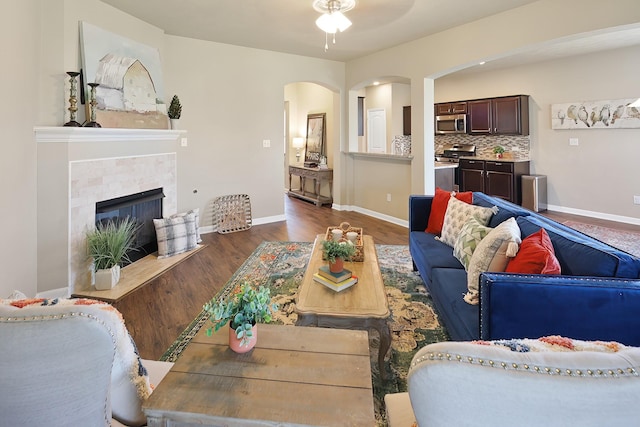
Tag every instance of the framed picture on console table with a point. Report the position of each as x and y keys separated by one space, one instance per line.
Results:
x=315 y=137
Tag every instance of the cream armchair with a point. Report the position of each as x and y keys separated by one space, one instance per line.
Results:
x=552 y=381
x=70 y=363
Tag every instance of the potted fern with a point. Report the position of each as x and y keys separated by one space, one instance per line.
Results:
x=108 y=245
x=243 y=309
x=175 y=111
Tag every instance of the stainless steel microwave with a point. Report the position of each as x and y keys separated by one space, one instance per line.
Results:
x=454 y=123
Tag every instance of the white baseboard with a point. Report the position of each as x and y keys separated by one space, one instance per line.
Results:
x=254 y=221
x=592 y=214
x=374 y=214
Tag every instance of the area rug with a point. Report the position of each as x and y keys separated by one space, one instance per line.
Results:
x=413 y=322
x=624 y=240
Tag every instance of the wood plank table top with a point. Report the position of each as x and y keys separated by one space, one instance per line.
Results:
x=294 y=376
x=366 y=299
x=362 y=306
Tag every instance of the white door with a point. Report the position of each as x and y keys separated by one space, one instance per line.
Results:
x=376 y=130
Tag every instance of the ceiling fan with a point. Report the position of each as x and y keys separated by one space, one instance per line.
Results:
x=333 y=19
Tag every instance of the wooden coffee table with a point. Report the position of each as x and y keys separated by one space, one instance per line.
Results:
x=362 y=306
x=294 y=376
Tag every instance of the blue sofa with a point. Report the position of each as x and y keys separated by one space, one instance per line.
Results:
x=596 y=297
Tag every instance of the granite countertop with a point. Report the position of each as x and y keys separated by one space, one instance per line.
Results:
x=507 y=158
x=445 y=165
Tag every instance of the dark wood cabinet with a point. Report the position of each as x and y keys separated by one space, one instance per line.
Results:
x=406 y=120
x=471 y=175
x=495 y=178
x=479 y=120
x=507 y=115
x=446 y=108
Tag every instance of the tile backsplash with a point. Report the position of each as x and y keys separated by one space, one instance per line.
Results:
x=485 y=143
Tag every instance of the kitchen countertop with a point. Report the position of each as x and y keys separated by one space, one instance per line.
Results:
x=445 y=165
x=506 y=158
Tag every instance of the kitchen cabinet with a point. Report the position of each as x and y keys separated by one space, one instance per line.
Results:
x=507 y=115
x=406 y=120
x=496 y=178
x=446 y=108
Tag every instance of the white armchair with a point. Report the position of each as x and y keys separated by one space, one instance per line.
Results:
x=70 y=363
x=552 y=381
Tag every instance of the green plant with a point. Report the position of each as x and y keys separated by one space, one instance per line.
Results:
x=244 y=307
x=109 y=243
x=498 y=149
x=333 y=249
x=175 y=108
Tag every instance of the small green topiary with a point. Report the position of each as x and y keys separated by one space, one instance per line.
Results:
x=175 y=108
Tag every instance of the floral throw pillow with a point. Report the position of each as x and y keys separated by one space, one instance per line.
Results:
x=457 y=215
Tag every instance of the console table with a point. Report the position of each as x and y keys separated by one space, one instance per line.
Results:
x=319 y=176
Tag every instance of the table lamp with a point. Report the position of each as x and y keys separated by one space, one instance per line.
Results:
x=298 y=143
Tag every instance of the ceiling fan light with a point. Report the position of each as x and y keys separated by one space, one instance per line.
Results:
x=341 y=21
x=326 y=24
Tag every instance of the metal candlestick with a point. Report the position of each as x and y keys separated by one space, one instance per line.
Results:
x=73 y=100
x=93 y=103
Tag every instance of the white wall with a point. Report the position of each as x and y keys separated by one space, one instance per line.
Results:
x=232 y=100
x=20 y=33
x=310 y=98
x=495 y=36
x=600 y=176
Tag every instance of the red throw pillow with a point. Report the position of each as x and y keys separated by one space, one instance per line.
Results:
x=535 y=256
x=439 y=208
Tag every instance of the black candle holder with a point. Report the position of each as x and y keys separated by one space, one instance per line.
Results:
x=93 y=103
x=73 y=99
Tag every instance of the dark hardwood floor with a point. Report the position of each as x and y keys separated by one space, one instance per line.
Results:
x=158 y=312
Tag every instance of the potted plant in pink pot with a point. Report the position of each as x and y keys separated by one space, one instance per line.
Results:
x=242 y=309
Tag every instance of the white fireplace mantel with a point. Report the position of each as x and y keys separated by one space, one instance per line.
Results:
x=85 y=134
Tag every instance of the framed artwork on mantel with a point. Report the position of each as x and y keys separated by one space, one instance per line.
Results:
x=316 y=134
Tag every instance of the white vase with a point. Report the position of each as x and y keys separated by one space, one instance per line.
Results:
x=107 y=278
x=175 y=124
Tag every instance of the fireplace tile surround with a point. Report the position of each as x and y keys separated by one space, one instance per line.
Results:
x=101 y=164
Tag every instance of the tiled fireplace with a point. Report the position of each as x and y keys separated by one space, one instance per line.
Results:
x=94 y=180
x=78 y=167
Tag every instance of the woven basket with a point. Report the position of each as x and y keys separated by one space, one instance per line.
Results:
x=232 y=213
x=346 y=227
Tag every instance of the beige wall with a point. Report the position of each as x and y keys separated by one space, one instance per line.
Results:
x=20 y=33
x=310 y=98
x=233 y=99
x=499 y=35
x=599 y=176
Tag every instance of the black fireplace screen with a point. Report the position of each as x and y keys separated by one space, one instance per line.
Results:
x=143 y=207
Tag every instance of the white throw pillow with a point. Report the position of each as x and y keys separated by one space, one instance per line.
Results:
x=457 y=214
x=492 y=254
x=173 y=236
x=470 y=236
x=196 y=222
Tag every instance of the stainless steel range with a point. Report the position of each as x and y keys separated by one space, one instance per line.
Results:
x=452 y=152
